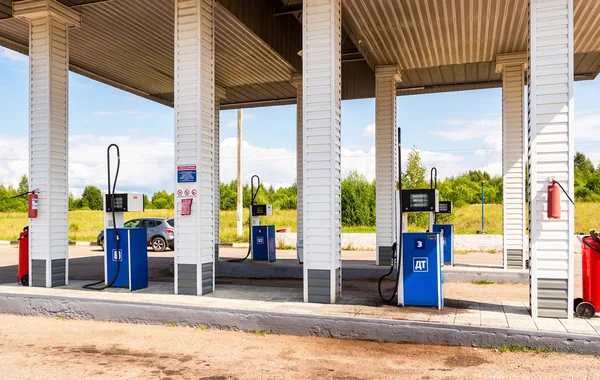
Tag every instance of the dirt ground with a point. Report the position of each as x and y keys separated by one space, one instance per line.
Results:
x=48 y=348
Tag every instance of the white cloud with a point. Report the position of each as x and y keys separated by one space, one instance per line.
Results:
x=460 y=130
x=587 y=126
x=14 y=158
x=369 y=130
x=276 y=167
x=11 y=55
x=447 y=164
x=364 y=162
x=360 y=161
x=493 y=168
x=145 y=163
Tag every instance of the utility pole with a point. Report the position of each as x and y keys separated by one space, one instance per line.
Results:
x=240 y=195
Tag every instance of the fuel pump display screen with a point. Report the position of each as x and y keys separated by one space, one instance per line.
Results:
x=445 y=207
x=120 y=202
x=259 y=210
x=420 y=200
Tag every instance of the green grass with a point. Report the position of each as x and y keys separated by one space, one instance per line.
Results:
x=281 y=245
x=261 y=332
x=171 y=324
x=85 y=225
x=483 y=282
x=519 y=348
x=201 y=327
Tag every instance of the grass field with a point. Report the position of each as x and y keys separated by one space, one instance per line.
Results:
x=85 y=225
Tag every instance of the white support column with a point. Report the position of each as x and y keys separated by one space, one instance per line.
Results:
x=512 y=67
x=297 y=82
x=386 y=160
x=321 y=87
x=220 y=93
x=195 y=145
x=551 y=153
x=49 y=23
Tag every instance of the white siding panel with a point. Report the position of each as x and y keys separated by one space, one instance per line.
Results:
x=551 y=145
x=48 y=140
x=195 y=131
x=386 y=158
x=513 y=156
x=321 y=140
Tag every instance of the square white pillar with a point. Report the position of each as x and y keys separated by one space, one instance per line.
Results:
x=321 y=141
x=195 y=145
x=297 y=82
x=551 y=154
x=512 y=67
x=49 y=23
x=386 y=160
x=220 y=93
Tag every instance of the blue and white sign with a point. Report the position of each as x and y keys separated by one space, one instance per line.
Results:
x=420 y=264
x=117 y=255
x=186 y=173
x=260 y=240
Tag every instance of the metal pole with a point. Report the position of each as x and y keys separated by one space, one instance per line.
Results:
x=240 y=197
x=482 y=206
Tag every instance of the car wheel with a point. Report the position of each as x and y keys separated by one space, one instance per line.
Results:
x=102 y=245
x=159 y=244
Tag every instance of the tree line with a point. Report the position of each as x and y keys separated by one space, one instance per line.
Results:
x=357 y=192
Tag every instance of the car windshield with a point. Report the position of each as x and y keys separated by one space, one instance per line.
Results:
x=171 y=222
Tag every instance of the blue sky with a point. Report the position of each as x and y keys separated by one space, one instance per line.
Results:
x=455 y=132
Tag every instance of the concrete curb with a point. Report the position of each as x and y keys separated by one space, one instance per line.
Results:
x=381 y=330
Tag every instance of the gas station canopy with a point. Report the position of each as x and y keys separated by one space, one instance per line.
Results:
x=439 y=45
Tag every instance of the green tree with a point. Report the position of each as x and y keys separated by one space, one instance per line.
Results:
x=358 y=201
x=228 y=199
x=163 y=201
x=23 y=184
x=583 y=164
x=414 y=178
x=91 y=198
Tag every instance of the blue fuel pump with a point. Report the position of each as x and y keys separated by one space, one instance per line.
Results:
x=422 y=270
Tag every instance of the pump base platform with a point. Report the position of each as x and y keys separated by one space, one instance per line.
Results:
x=364 y=270
x=281 y=310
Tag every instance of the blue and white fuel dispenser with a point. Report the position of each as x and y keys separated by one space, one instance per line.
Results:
x=421 y=263
x=125 y=249
x=416 y=257
x=262 y=237
x=421 y=270
x=125 y=266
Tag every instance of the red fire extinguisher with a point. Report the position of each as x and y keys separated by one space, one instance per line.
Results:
x=554 y=189
x=33 y=204
x=553 y=200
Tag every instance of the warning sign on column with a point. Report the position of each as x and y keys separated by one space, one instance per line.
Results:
x=186 y=173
